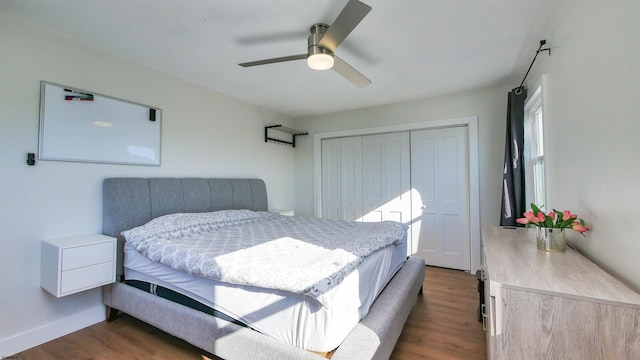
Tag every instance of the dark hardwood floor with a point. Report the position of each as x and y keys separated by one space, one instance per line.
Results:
x=442 y=325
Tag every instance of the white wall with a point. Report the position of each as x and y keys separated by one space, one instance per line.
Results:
x=592 y=126
x=204 y=134
x=489 y=105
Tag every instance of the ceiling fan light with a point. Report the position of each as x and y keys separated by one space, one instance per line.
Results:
x=320 y=61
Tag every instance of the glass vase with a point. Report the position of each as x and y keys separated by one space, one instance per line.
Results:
x=550 y=239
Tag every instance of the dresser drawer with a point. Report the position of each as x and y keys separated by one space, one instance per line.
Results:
x=81 y=256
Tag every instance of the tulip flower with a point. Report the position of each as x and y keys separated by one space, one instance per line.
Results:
x=554 y=219
x=578 y=227
x=568 y=215
x=531 y=217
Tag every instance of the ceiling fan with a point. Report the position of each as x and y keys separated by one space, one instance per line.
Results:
x=324 y=40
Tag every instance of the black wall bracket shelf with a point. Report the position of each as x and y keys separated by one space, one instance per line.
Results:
x=282 y=129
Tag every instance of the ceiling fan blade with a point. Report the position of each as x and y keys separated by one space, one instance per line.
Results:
x=346 y=21
x=274 y=60
x=277 y=37
x=350 y=73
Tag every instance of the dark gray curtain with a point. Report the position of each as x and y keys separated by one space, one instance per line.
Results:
x=513 y=188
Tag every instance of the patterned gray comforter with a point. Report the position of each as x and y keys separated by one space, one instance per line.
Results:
x=303 y=255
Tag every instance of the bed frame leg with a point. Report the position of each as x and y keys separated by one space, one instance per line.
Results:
x=112 y=314
x=420 y=291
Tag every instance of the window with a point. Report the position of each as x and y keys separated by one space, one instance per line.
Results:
x=534 y=149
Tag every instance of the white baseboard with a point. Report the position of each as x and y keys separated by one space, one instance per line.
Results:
x=40 y=335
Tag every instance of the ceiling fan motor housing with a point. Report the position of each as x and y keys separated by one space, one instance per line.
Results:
x=317 y=32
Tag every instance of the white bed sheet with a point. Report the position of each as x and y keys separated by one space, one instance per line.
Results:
x=295 y=319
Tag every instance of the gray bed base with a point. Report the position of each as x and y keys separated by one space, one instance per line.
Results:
x=130 y=202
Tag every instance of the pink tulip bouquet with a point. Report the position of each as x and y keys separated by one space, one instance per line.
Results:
x=554 y=219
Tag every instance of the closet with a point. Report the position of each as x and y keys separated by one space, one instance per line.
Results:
x=417 y=177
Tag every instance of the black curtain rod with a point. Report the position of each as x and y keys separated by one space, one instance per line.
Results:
x=542 y=43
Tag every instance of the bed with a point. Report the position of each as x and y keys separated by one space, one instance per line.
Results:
x=132 y=202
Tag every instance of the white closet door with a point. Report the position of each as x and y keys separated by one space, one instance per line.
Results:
x=342 y=178
x=351 y=179
x=331 y=198
x=440 y=197
x=386 y=176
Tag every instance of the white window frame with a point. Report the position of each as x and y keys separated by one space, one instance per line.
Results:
x=534 y=106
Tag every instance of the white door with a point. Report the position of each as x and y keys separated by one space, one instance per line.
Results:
x=386 y=178
x=440 y=197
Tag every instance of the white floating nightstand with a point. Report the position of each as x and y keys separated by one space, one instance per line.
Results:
x=73 y=264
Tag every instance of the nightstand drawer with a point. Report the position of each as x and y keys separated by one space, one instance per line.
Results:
x=86 y=277
x=80 y=256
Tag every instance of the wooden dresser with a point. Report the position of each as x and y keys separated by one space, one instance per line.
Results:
x=541 y=305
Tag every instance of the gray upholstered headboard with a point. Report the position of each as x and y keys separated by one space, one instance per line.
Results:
x=131 y=202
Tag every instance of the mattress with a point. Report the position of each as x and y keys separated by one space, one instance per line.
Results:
x=295 y=319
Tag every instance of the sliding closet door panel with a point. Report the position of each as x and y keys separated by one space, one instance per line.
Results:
x=372 y=168
x=453 y=197
x=342 y=178
x=386 y=177
x=331 y=192
x=440 y=203
x=351 y=178
x=424 y=240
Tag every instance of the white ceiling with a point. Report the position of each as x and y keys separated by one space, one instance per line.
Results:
x=410 y=49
